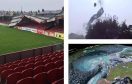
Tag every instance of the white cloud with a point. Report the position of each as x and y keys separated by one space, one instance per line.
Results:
x=30 y=4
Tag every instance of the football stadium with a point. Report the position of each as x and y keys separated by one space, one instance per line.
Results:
x=31 y=47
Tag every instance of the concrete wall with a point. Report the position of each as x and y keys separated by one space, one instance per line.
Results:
x=29 y=53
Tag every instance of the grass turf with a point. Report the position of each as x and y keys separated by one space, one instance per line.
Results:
x=12 y=40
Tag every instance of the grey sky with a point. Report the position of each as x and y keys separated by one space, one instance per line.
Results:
x=29 y=5
x=81 y=10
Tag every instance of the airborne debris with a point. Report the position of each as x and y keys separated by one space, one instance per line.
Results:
x=95 y=4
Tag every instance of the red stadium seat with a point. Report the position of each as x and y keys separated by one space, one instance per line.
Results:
x=5 y=74
x=7 y=64
x=61 y=71
x=44 y=62
x=1 y=65
x=12 y=66
x=61 y=53
x=47 y=61
x=60 y=81
x=31 y=65
x=55 y=74
x=51 y=55
x=49 y=66
x=38 y=60
x=45 y=57
x=31 y=58
x=38 y=57
x=38 y=69
x=54 y=59
x=28 y=80
x=17 y=62
x=41 y=78
x=61 y=67
x=13 y=78
x=48 y=54
x=19 y=69
x=27 y=73
x=3 y=68
x=38 y=63
x=24 y=60
x=59 y=63
x=30 y=61
x=55 y=53
x=22 y=63
x=61 y=58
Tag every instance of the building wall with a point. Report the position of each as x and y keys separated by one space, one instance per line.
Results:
x=59 y=35
x=41 y=31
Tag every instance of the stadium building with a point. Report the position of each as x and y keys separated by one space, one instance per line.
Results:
x=50 y=23
x=41 y=65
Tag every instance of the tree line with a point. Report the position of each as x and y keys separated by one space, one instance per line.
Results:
x=109 y=28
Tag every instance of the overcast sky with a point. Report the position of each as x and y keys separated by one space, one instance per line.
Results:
x=80 y=12
x=29 y=5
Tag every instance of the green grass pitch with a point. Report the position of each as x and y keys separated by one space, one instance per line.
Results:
x=12 y=40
